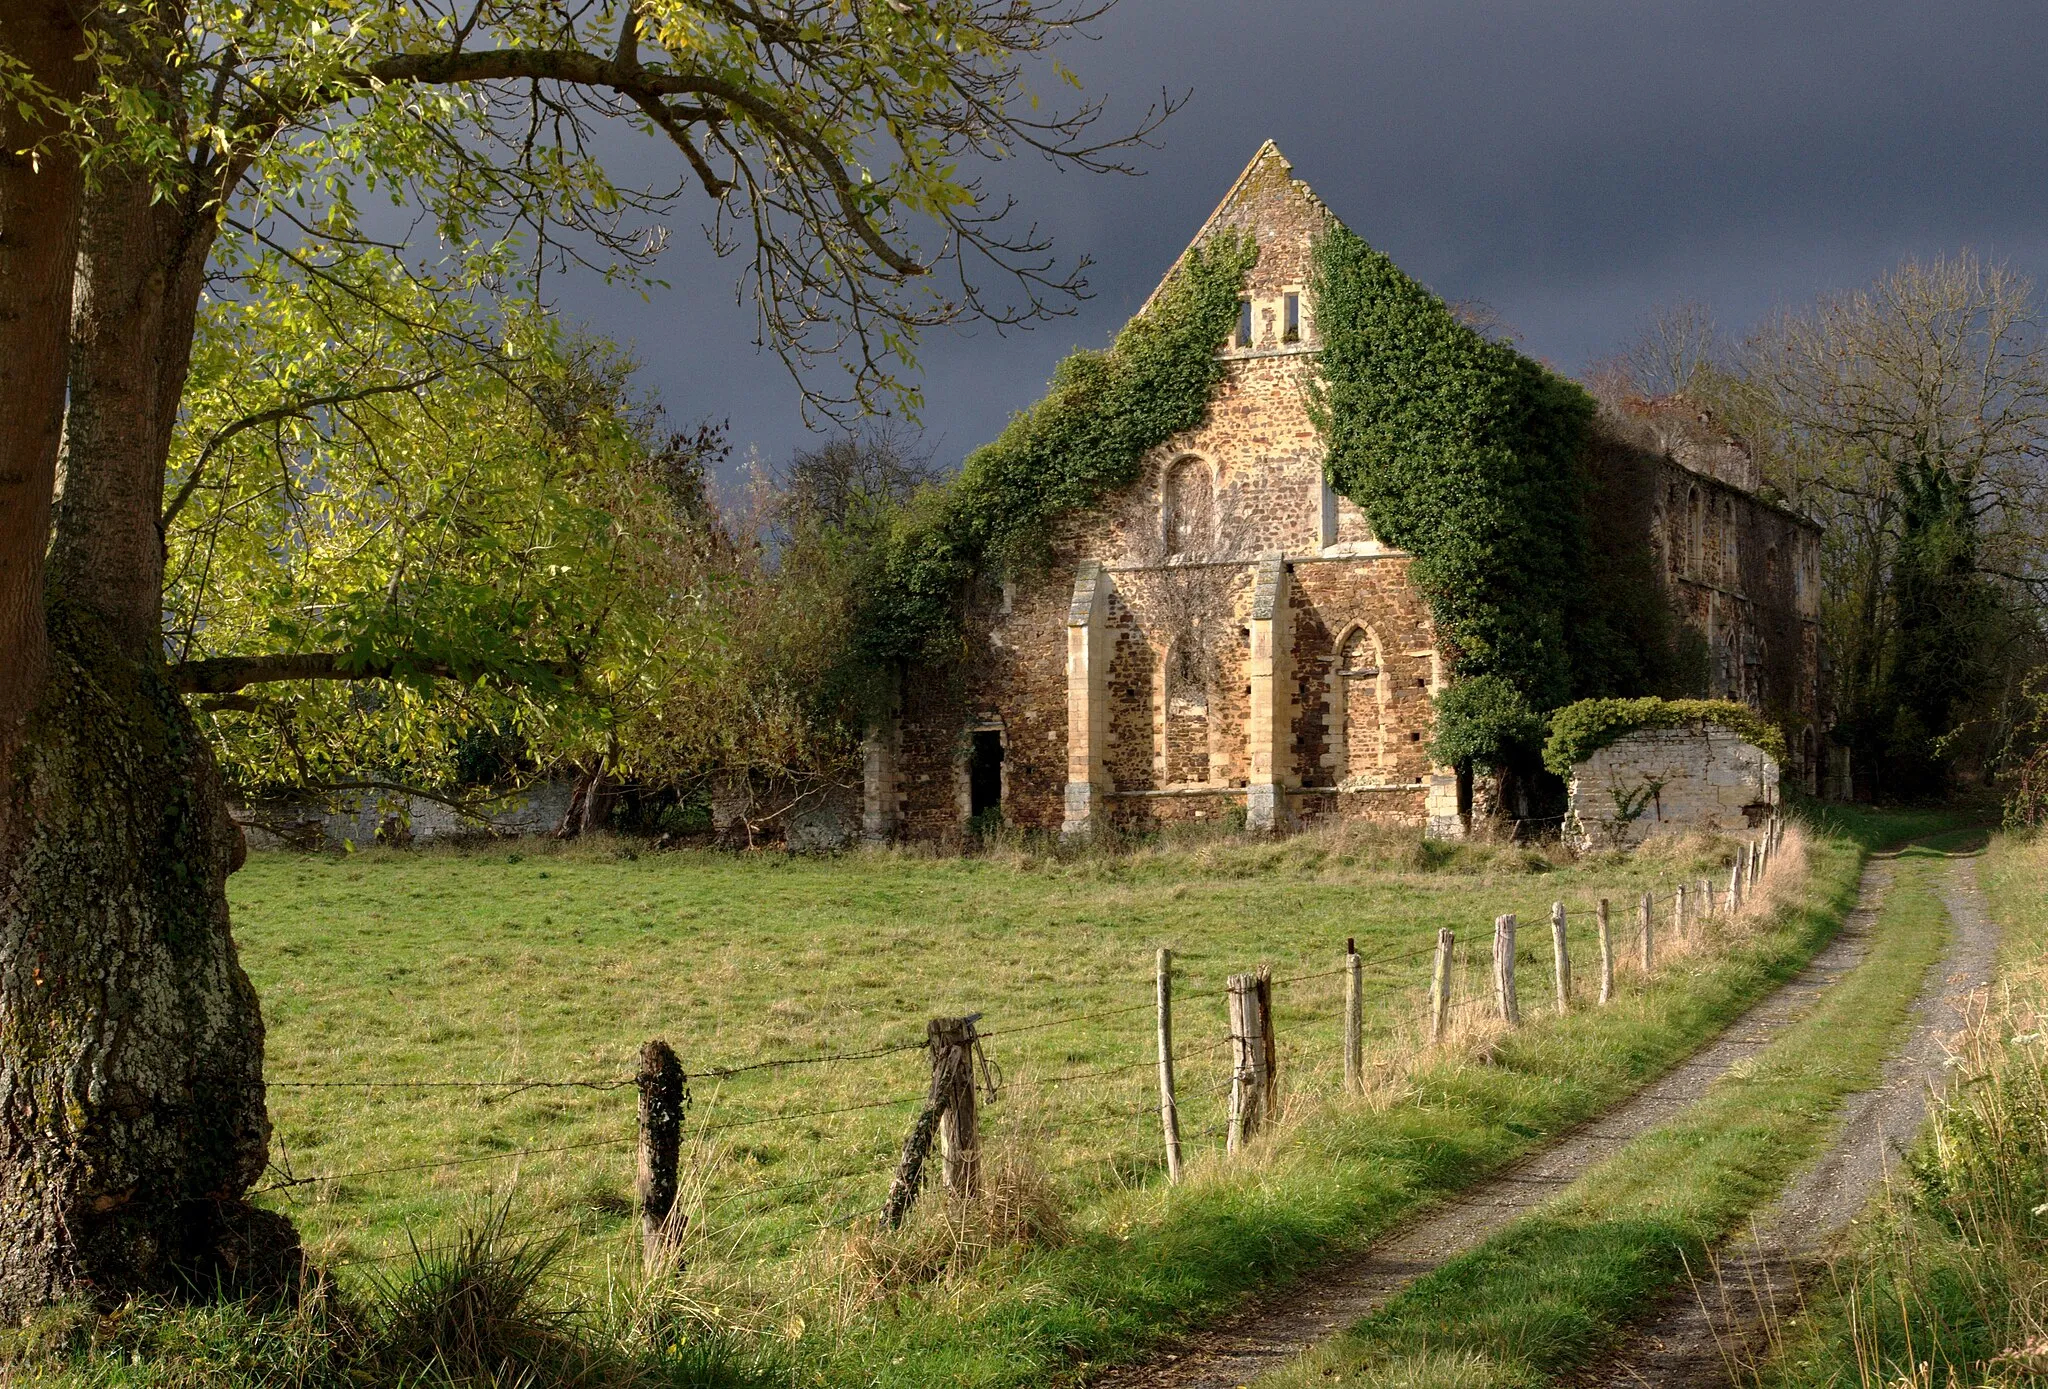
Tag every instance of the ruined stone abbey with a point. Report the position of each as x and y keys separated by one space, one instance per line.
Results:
x=1227 y=639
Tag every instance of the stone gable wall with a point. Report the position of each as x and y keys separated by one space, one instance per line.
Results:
x=1664 y=781
x=1166 y=758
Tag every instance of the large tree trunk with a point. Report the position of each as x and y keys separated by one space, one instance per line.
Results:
x=39 y=196
x=131 y=1045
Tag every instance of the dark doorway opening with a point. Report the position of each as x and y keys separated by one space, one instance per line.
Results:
x=985 y=774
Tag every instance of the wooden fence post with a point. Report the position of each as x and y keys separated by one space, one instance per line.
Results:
x=1649 y=935
x=1561 y=959
x=1354 y=1019
x=1735 y=887
x=1248 y=1059
x=959 y=1123
x=1440 y=987
x=1504 y=969
x=1706 y=897
x=662 y=1098
x=1269 y=1048
x=1169 y=1109
x=1678 y=913
x=1606 y=956
x=951 y=1043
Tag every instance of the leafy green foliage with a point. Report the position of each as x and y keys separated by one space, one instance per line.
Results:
x=1579 y=730
x=1484 y=721
x=406 y=473
x=1465 y=453
x=1085 y=438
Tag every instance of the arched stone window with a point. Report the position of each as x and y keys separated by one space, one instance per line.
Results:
x=1189 y=508
x=1358 y=697
x=1185 y=668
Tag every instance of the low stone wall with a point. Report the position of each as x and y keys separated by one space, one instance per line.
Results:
x=370 y=817
x=1668 y=780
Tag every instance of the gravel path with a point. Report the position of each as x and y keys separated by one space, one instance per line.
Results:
x=1274 y=1328
x=1706 y=1335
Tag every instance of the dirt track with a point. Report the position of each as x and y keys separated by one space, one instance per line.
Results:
x=1703 y=1336
x=1272 y=1329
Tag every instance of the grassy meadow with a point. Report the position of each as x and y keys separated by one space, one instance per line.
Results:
x=387 y=968
x=385 y=972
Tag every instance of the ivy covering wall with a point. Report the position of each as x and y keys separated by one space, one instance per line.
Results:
x=1579 y=730
x=1469 y=456
x=1084 y=439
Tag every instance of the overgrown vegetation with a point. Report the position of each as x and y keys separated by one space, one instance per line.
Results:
x=1579 y=730
x=1085 y=438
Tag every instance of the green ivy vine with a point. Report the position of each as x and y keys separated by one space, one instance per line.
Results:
x=1084 y=439
x=1468 y=455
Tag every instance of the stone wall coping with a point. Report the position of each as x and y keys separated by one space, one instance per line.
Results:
x=1250 y=562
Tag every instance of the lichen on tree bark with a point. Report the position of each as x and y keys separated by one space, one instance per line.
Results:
x=131 y=1082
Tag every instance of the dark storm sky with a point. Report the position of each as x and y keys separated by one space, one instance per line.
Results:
x=1571 y=163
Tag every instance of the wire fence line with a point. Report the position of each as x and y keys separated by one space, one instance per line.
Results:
x=1108 y=1110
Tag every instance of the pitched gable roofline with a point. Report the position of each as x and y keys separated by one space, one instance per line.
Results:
x=1267 y=151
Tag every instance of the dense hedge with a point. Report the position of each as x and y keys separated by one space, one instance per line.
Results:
x=1466 y=454
x=1579 y=730
x=1084 y=439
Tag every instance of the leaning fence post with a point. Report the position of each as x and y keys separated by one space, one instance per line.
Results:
x=1561 y=960
x=1649 y=935
x=1678 y=914
x=662 y=1098
x=951 y=1043
x=1504 y=969
x=1440 y=987
x=1354 y=1019
x=1606 y=957
x=1247 y=1059
x=1169 y=1109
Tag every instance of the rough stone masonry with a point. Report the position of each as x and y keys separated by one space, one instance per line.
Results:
x=1226 y=638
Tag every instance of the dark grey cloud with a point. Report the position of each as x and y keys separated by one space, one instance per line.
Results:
x=1573 y=165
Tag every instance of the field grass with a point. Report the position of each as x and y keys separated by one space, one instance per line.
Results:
x=385 y=969
x=1553 y=1290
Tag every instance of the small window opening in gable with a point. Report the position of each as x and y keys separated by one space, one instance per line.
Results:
x=1290 y=318
x=1244 y=323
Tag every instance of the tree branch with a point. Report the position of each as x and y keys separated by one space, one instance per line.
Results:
x=226 y=674
x=291 y=409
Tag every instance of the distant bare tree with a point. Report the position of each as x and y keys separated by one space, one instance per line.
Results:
x=1672 y=350
x=853 y=478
